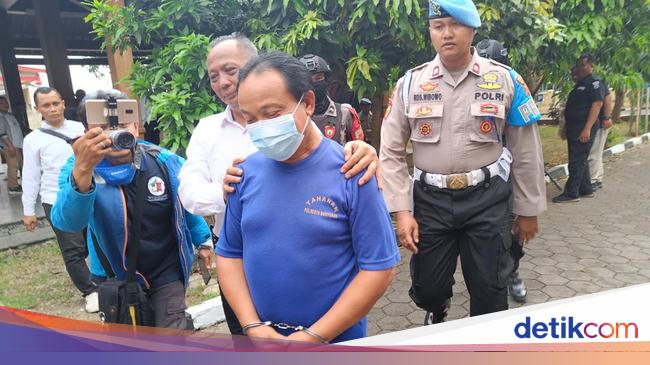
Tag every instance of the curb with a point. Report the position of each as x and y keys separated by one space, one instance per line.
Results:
x=561 y=171
x=206 y=314
x=14 y=235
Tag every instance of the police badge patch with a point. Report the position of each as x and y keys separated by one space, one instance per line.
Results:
x=330 y=131
x=424 y=111
x=596 y=85
x=490 y=82
x=434 y=8
x=489 y=108
x=486 y=126
x=425 y=129
x=429 y=86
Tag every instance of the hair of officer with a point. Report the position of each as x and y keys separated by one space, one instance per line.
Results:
x=243 y=43
x=44 y=90
x=99 y=94
x=295 y=74
x=587 y=57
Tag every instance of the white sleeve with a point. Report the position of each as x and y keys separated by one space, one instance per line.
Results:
x=31 y=176
x=198 y=192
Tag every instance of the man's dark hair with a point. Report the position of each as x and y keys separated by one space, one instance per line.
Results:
x=588 y=57
x=295 y=74
x=44 y=90
x=243 y=43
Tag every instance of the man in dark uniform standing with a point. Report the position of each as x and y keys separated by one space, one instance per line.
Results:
x=336 y=121
x=455 y=110
x=582 y=112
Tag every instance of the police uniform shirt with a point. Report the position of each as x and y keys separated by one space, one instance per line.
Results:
x=347 y=128
x=585 y=92
x=457 y=126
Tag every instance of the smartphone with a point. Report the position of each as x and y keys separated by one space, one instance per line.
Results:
x=97 y=111
x=205 y=272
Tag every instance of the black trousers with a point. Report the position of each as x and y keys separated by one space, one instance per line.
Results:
x=516 y=250
x=74 y=250
x=579 y=182
x=473 y=223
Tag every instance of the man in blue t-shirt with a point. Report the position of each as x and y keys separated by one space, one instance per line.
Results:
x=314 y=250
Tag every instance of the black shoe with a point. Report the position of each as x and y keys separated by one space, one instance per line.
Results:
x=564 y=199
x=17 y=190
x=432 y=318
x=517 y=288
x=590 y=195
x=596 y=185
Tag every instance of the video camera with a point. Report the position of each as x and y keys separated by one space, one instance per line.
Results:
x=113 y=112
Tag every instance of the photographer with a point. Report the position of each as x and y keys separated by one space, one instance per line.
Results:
x=98 y=188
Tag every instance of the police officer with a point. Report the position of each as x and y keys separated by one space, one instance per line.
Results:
x=492 y=49
x=583 y=111
x=365 y=116
x=455 y=110
x=336 y=121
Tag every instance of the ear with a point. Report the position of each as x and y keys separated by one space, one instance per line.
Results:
x=310 y=102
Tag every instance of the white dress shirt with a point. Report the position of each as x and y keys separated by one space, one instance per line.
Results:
x=43 y=157
x=216 y=141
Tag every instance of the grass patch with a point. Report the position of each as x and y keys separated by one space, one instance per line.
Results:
x=34 y=278
x=555 y=149
x=35 y=275
x=194 y=296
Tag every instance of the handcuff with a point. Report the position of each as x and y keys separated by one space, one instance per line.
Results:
x=284 y=326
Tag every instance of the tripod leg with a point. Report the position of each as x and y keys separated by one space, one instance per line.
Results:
x=552 y=180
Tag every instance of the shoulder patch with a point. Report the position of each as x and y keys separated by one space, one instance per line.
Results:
x=420 y=66
x=596 y=85
x=499 y=64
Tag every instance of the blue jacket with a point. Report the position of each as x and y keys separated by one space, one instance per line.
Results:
x=103 y=211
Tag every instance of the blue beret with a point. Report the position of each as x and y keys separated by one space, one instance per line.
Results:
x=464 y=11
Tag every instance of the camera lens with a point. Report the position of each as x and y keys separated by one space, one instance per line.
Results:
x=122 y=140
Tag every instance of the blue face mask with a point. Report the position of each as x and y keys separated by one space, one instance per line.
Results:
x=277 y=138
x=116 y=174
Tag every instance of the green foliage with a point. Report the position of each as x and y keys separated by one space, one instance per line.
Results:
x=173 y=78
x=176 y=83
x=369 y=43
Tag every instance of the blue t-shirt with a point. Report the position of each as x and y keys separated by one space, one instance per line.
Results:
x=303 y=232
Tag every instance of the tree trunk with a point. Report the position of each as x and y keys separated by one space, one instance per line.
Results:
x=618 y=104
x=379 y=104
x=631 y=120
x=638 y=112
